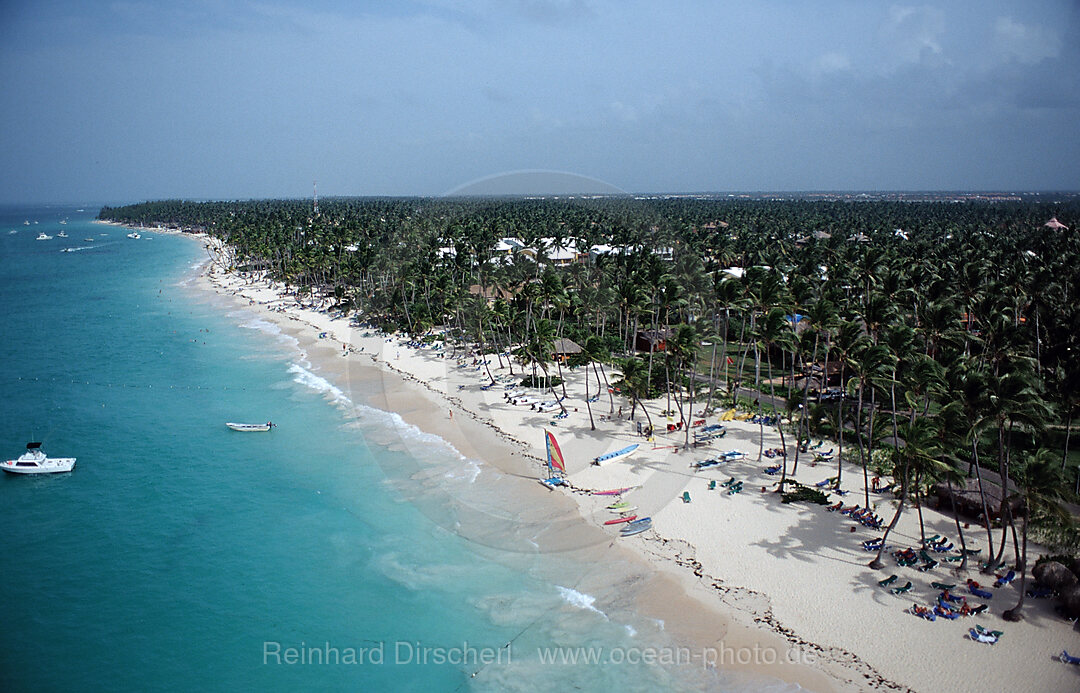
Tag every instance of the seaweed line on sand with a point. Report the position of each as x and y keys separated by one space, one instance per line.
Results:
x=683 y=555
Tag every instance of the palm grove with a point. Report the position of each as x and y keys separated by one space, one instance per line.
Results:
x=951 y=330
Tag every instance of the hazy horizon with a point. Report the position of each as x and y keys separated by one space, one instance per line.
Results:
x=147 y=99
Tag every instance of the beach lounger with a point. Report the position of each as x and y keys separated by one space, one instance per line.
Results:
x=735 y=488
x=984 y=631
x=946 y=613
x=982 y=594
x=923 y=612
x=1005 y=579
x=1068 y=658
x=772 y=470
x=712 y=485
x=981 y=637
x=685 y=496
x=834 y=508
x=729 y=482
x=902 y=590
x=887 y=581
x=942 y=586
x=978 y=609
x=1040 y=592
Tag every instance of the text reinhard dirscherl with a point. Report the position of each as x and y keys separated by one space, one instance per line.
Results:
x=405 y=652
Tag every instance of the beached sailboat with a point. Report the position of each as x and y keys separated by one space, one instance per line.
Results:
x=555 y=463
x=34 y=461
x=613 y=456
x=250 y=428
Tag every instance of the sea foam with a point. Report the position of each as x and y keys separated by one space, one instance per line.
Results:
x=579 y=599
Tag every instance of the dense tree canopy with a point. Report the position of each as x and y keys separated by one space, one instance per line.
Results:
x=950 y=329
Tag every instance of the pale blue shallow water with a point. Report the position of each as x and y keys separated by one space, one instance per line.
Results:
x=177 y=549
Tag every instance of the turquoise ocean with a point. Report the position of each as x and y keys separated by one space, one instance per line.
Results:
x=180 y=555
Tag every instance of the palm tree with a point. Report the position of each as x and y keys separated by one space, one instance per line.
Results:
x=635 y=381
x=872 y=366
x=919 y=450
x=1041 y=486
x=1013 y=402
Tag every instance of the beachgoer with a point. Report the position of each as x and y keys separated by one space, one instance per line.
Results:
x=451 y=414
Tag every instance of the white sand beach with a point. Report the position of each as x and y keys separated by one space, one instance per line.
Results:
x=742 y=569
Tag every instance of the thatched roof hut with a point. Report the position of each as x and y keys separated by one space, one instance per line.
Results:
x=969 y=502
x=565 y=347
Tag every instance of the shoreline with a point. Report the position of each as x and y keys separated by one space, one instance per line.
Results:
x=869 y=649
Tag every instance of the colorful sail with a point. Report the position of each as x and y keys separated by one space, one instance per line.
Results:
x=554 y=454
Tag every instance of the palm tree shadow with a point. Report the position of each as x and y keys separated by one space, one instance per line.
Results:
x=815 y=536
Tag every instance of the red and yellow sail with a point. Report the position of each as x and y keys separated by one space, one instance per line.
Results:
x=554 y=454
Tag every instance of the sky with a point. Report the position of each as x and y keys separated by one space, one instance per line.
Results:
x=132 y=100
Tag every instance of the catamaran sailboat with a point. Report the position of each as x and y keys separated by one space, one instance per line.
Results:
x=34 y=461
x=555 y=463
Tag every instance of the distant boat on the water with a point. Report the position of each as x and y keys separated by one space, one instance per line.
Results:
x=61 y=235
x=250 y=428
x=89 y=239
x=42 y=237
x=34 y=461
x=134 y=234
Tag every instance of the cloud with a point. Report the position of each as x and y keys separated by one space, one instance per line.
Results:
x=1026 y=44
x=914 y=34
x=831 y=62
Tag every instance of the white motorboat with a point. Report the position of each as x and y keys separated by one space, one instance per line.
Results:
x=34 y=461
x=250 y=428
x=61 y=235
x=43 y=237
x=134 y=234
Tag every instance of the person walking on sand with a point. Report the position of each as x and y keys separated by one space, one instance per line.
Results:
x=451 y=414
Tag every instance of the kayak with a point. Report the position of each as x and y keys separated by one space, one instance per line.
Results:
x=627 y=509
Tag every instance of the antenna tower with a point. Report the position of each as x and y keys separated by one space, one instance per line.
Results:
x=314 y=198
